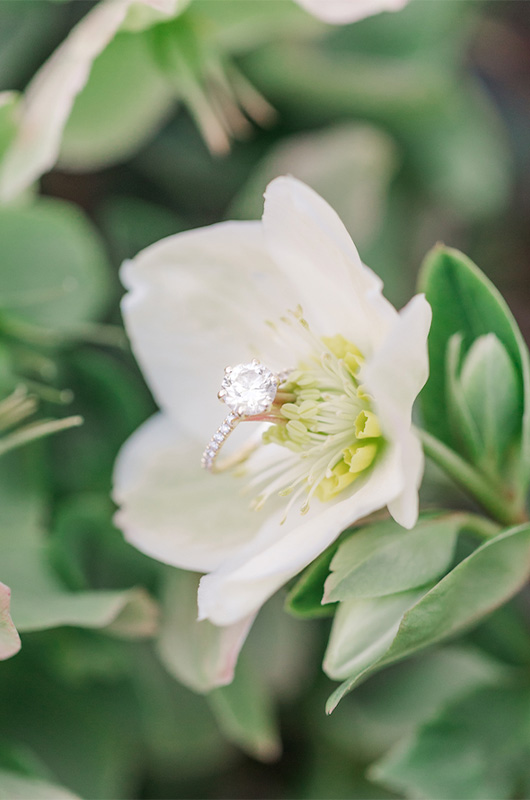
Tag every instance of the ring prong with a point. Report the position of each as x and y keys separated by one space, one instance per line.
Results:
x=221 y=393
x=228 y=370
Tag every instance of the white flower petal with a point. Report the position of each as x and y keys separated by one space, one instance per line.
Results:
x=316 y=255
x=242 y=585
x=173 y=510
x=197 y=303
x=9 y=638
x=199 y=654
x=394 y=376
x=49 y=97
x=340 y=12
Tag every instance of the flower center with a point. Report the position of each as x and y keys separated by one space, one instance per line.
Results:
x=327 y=424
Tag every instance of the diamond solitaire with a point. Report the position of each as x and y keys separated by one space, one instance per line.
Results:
x=249 y=391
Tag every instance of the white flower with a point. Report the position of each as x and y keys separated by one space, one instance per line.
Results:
x=340 y=12
x=48 y=100
x=9 y=638
x=340 y=445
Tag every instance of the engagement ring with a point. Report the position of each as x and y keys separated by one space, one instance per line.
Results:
x=249 y=391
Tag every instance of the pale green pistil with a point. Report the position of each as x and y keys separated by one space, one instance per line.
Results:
x=328 y=424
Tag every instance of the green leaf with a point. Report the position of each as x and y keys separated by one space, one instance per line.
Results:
x=124 y=102
x=463 y=426
x=305 y=598
x=363 y=631
x=476 y=586
x=87 y=551
x=394 y=702
x=16 y=786
x=465 y=302
x=166 y=710
x=245 y=713
x=477 y=747
x=490 y=390
x=53 y=269
x=383 y=559
x=39 y=601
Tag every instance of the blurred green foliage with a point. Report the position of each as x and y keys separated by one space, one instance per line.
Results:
x=415 y=127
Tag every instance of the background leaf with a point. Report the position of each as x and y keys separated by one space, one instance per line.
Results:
x=384 y=559
x=465 y=302
x=245 y=713
x=477 y=747
x=53 y=268
x=484 y=580
x=124 y=102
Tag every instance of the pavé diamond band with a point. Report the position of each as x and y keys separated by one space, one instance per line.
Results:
x=249 y=391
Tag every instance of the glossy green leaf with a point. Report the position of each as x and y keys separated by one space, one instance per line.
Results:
x=463 y=426
x=246 y=715
x=363 y=631
x=53 y=269
x=305 y=598
x=490 y=391
x=476 y=586
x=465 y=302
x=124 y=102
x=384 y=559
x=478 y=747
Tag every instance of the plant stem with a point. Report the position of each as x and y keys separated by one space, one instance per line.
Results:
x=481 y=526
x=501 y=507
x=37 y=430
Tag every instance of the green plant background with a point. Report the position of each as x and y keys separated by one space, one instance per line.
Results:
x=416 y=127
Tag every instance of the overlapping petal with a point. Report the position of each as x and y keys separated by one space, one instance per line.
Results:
x=49 y=98
x=173 y=510
x=279 y=552
x=200 y=655
x=314 y=251
x=198 y=302
x=394 y=376
x=340 y=12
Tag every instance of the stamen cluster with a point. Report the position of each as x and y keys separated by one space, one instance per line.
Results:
x=327 y=423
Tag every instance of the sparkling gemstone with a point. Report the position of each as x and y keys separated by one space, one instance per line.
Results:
x=249 y=389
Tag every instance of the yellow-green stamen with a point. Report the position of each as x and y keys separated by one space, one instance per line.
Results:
x=328 y=424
